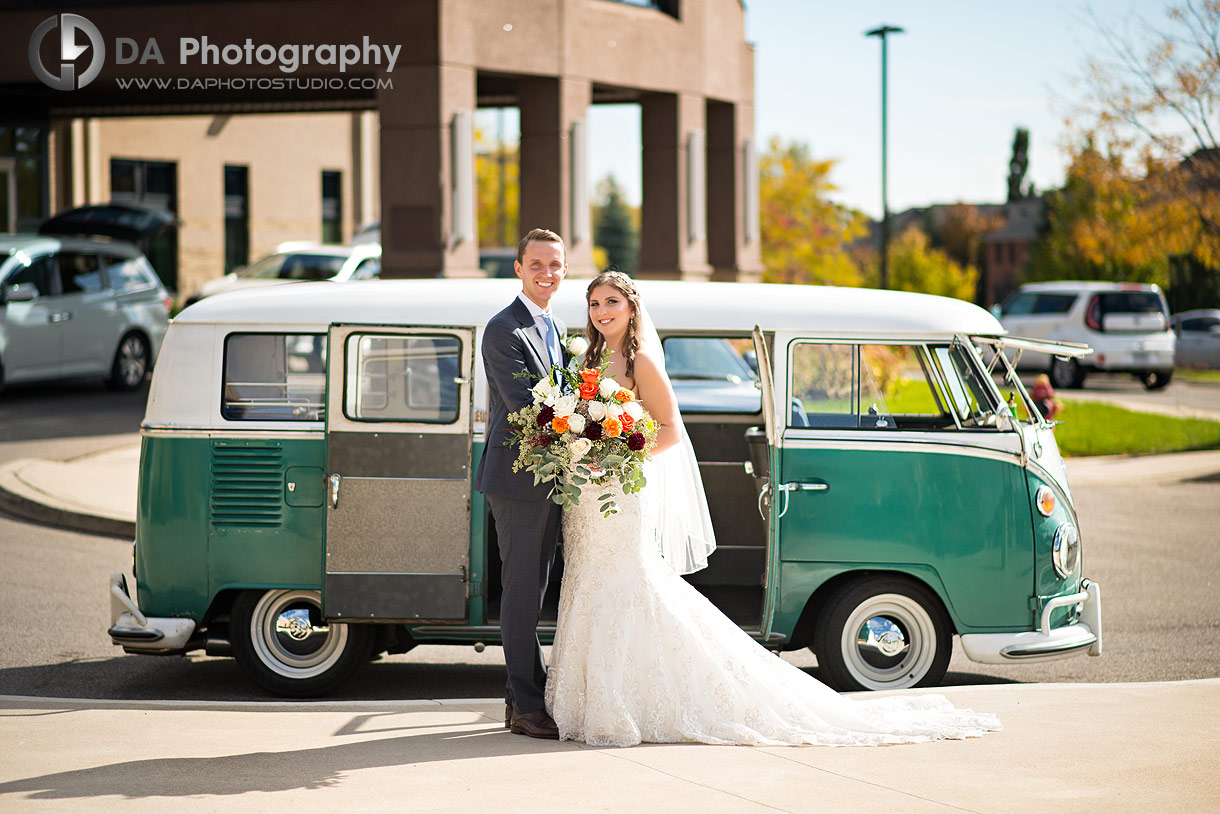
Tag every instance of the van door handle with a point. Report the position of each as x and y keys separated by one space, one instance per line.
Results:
x=334 y=490
x=805 y=487
x=62 y=316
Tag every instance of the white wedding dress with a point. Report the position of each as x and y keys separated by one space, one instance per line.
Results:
x=640 y=655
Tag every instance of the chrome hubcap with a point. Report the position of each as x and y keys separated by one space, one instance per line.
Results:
x=132 y=362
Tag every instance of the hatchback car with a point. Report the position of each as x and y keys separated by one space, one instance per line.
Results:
x=300 y=262
x=74 y=307
x=1126 y=325
x=1198 y=337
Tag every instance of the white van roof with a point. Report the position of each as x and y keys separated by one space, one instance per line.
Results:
x=673 y=305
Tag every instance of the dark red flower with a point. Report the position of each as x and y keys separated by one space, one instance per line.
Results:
x=539 y=441
x=545 y=416
x=636 y=441
x=593 y=431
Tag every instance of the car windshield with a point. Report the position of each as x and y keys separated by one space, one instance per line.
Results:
x=294 y=266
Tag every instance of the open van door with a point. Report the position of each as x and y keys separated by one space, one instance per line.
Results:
x=398 y=428
x=768 y=498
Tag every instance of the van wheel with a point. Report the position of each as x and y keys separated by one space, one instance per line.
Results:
x=1066 y=373
x=1156 y=379
x=883 y=633
x=131 y=363
x=285 y=646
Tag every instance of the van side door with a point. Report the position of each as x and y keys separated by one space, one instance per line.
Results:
x=398 y=426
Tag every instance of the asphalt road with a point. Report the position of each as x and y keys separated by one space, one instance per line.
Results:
x=1151 y=547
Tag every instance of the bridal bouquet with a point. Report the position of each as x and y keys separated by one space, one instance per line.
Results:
x=582 y=427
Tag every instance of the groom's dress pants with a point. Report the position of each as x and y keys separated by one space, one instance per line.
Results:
x=528 y=531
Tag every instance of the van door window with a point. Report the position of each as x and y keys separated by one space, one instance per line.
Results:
x=37 y=274
x=890 y=386
x=402 y=378
x=712 y=374
x=79 y=272
x=273 y=377
x=971 y=397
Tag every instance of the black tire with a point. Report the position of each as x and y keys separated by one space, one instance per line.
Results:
x=1066 y=374
x=1155 y=379
x=132 y=360
x=285 y=646
x=907 y=638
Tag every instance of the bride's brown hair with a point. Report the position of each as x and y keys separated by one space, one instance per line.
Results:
x=597 y=341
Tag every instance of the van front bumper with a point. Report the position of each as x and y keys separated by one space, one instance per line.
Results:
x=1046 y=643
x=137 y=633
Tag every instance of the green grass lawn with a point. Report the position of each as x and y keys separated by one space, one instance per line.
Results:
x=1093 y=428
x=1194 y=374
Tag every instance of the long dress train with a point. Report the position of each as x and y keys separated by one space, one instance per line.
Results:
x=641 y=655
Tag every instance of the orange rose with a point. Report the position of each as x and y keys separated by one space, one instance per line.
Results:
x=625 y=395
x=589 y=376
x=560 y=424
x=588 y=390
x=612 y=427
x=628 y=422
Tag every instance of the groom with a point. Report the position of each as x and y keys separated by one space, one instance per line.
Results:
x=523 y=337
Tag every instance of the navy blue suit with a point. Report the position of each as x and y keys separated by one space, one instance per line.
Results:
x=527 y=520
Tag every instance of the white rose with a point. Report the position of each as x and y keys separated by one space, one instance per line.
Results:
x=597 y=410
x=614 y=408
x=633 y=409
x=545 y=392
x=577 y=345
x=576 y=423
x=580 y=448
x=608 y=388
x=565 y=405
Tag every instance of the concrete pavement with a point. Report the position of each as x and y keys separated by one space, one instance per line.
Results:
x=1112 y=747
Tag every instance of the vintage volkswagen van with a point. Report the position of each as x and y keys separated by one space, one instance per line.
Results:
x=305 y=495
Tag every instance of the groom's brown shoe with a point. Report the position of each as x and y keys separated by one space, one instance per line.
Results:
x=536 y=724
x=508 y=716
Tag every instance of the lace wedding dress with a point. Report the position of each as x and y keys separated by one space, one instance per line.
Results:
x=640 y=655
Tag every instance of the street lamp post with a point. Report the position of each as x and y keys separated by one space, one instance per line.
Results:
x=883 y=32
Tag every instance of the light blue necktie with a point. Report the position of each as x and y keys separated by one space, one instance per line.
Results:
x=552 y=339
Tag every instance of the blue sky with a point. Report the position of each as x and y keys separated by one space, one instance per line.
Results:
x=964 y=75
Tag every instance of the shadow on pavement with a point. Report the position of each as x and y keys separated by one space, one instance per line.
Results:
x=69 y=409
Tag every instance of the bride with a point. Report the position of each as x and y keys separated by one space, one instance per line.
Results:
x=641 y=655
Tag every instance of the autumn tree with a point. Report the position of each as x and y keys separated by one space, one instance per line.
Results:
x=915 y=265
x=804 y=234
x=1145 y=156
x=498 y=187
x=616 y=226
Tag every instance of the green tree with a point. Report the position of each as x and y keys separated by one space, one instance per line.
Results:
x=616 y=226
x=805 y=236
x=916 y=266
x=1018 y=165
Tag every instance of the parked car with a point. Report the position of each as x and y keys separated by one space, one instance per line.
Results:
x=308 y=454
x=495 y=261
x=1198 y=335
x=1126 y=324
x=299 y=262
x=74 y=307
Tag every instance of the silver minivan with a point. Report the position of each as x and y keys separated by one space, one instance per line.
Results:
x=76 y=307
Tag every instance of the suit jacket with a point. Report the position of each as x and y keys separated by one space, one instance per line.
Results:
x=511 y=343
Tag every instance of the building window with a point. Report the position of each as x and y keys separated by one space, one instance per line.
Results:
x=237 y=217
x=153 y=184
x=332 y=206
x=23 y=182
x=670 y=7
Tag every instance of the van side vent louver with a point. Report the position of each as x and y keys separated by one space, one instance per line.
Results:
x=247 y=486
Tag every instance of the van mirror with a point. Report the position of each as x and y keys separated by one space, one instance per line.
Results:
x=22 y=292
x=996 y=310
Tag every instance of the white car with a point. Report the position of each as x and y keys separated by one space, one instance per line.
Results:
x=1126 y=325
x=74 y=308
x=300 y=262
x=1198 y=337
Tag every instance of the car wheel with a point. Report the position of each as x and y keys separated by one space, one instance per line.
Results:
x=131 y=363
x=1156 y=379
x=285 y=646
x=1066 y=373
x=883 y=633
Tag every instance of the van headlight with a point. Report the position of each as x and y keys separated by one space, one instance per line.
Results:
x=1065 y=550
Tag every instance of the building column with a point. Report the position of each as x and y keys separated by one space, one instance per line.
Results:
x=554 y=169
x=732 y=194
x=673 y=229
x=428 y=190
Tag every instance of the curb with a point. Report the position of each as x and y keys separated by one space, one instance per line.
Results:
x=21 y=500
